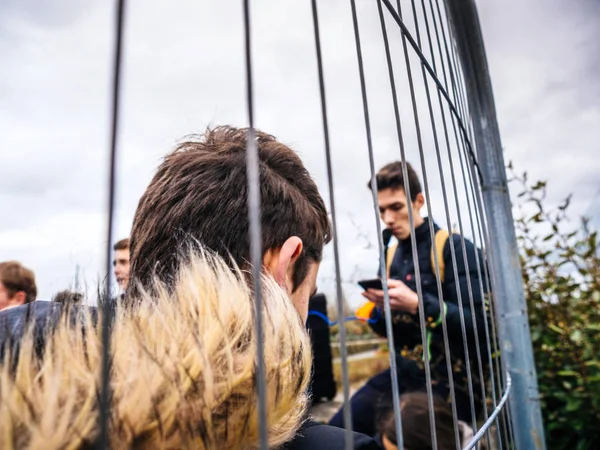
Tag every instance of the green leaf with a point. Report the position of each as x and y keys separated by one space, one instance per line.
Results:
x=577 y=336
x=568 y=373
x=555 y=328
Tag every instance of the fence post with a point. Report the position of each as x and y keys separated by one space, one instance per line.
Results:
x=509 y=296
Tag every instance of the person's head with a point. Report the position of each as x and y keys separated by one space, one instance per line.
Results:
x=393 y=202
x=121 y=263
x=199 y=194
x=416 y=431
x=68 y=297
x=182 y=372
x=17 y=285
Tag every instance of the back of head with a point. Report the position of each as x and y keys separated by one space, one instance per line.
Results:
x=182 y=372
x=391 y=176
x=17 y=278
x=414 y=410
x=200 y=192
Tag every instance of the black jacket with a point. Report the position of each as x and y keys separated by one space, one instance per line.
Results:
x=314 y=436
x=407 y=329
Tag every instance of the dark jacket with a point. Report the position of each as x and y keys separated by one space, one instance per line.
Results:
x=315 y=436
x=40 y=315
x=407 y=329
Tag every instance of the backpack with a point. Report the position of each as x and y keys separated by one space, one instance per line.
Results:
x=441 y=236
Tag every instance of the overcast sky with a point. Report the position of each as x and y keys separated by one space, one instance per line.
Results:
x=184 y=71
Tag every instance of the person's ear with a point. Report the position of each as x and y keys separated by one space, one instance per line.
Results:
x=280 y=263
x=19 y=298
x=419 y=201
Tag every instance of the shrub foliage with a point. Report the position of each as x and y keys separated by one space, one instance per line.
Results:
x=561 y=271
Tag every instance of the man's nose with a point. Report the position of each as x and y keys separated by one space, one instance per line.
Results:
x=388 y=217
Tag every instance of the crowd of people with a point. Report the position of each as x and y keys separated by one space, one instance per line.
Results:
x=183 y=358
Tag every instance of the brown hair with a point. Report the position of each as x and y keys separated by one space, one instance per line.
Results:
x=67 y=296
x=17 y=278
x=416 y=431
x=123 y=244
x=391 y=176
x=199 y=194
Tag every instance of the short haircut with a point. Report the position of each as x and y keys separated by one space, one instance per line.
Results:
x=123 y=244
x=391 y=176
x=17 y=278
x=199 y=193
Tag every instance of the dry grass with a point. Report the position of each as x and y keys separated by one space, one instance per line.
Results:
x=362 y=369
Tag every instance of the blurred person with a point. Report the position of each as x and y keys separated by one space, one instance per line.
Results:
x=17 y=285
x=68 y=296
x=394 y=207
x=121 y=263
x=200 y=193
x=416 y=428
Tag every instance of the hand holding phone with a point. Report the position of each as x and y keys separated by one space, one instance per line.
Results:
x=375 y=283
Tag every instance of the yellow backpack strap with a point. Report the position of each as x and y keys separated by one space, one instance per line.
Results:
x=389 y=257
x=441 y=237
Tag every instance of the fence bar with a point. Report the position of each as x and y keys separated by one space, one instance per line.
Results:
x=382 y=256
x=408 y=195
x=336 y=253
x=253 y=174
x=107 y=310
x=513 y=326
x=488 y=423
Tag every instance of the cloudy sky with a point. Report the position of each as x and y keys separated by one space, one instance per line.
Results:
x=184 y=71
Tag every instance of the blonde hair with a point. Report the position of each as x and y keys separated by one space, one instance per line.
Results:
x=182 y=374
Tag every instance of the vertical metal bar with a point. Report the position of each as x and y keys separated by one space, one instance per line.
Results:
x=489 y=267
x=336 y=254
x=107 y=310
x=432 y=231
x=382 y=266
x=459 y=100
x=490 y=335
x=460 y=304
x=471 y=175
x=253 y=174
x=513 y=324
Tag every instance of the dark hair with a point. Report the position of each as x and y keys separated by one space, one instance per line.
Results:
x=391 y=176
x=17 y=278
x=123 y=244
x=416 y=431
x=67 y=296
x=199 y=193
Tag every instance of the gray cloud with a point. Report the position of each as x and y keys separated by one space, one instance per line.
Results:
x=184 y=70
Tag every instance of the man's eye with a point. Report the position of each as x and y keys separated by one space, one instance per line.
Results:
x=397 y=207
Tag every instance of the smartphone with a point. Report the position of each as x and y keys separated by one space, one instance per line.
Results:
x=375 y=283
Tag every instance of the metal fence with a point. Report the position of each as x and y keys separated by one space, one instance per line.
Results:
x=437 y=49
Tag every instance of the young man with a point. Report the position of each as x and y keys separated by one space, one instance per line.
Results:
x=17 y=285
x=121 y=263
x=394 y=206
x=199 y=194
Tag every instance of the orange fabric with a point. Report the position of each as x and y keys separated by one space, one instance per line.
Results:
x=364 y=311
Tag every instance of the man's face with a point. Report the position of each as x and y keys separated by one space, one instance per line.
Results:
x=121 y=265
x=6 y=300
x=393 y=209
x=305 y=291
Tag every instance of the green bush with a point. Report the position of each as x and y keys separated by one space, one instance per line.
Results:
x=561 y=271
